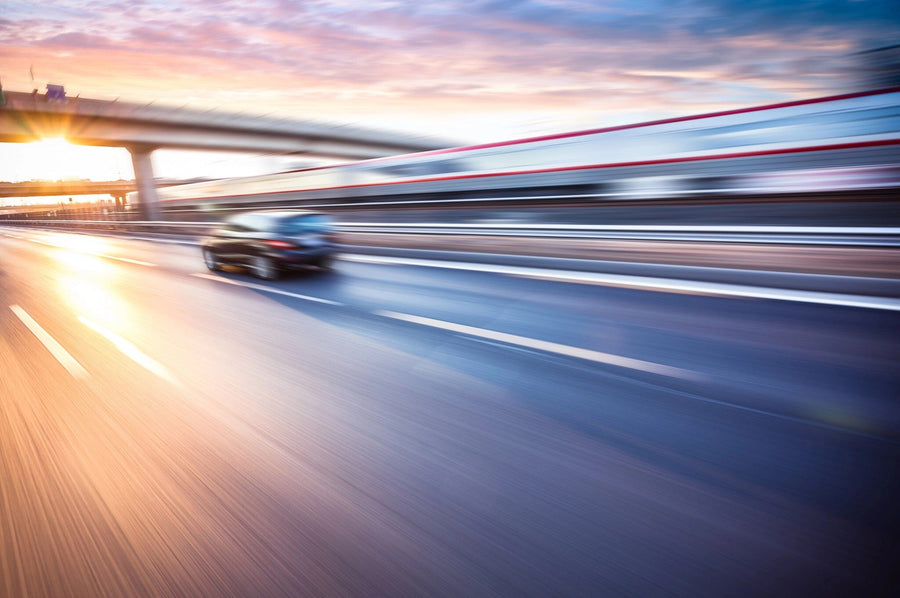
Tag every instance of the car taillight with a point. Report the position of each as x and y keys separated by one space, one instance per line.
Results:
x=277 y=244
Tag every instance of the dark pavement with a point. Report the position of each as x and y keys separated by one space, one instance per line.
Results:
x=393 y=430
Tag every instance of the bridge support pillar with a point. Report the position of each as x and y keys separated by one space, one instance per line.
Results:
x=143 y=175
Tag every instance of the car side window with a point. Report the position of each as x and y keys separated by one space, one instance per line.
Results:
x=309 y=223
x=259 y=222
x=241 y=223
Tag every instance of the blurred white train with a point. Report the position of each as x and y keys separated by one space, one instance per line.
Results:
x=836 y=143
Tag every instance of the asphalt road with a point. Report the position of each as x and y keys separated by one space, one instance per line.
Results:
x=397 y=430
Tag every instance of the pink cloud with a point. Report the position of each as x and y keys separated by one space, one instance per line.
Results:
x=339 y=61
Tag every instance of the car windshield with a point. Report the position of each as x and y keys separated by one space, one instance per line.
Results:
x=250 y=222
x=310 y=223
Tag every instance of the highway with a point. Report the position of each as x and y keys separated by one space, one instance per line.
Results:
x=392 y=428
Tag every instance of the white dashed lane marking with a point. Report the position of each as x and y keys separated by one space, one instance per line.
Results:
x=547 y=346
x=131 y=351
x=57 y=350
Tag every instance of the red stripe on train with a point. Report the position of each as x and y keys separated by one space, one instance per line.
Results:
x=793 y=150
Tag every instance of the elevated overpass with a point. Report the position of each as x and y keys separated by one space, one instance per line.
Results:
x=116 y=189
x=51 y=188
x=143 y=128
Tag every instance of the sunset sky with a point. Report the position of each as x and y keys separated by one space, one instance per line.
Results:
x=468 y=70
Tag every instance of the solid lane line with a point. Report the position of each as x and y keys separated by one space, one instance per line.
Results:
x=131 y=351
x=57 y=350
x=549 y=347
x=260 y=287
x=100 y=255
x=646 y=283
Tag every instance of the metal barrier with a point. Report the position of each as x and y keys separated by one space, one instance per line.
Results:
x=805 y=235
x=183 y=228
x=808 y=235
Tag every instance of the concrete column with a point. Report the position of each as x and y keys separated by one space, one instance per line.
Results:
x=143 y=175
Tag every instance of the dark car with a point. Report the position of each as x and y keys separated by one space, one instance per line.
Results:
x=270 y=242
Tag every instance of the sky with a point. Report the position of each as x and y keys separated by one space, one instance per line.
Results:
x=468 y=70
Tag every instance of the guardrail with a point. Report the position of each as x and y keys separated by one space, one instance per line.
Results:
x=788 y=235
x=812 y=235
x=118 y=225
x=804 y=235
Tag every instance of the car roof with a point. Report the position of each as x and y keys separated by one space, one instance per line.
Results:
x=276 y=215
x=281 y=214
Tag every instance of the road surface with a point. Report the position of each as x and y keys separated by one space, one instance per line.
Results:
x=389 y=429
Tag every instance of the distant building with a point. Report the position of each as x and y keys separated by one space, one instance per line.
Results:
x=56 y=92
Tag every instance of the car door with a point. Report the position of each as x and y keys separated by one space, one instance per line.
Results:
x=248 y=241
x=226 y=239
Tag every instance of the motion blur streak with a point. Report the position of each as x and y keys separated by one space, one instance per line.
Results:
x=267 y=289
x=842 y=144
x=319 y=449
x=512 y=339
x=48 y=341
x=648 y=283
x=130 y=350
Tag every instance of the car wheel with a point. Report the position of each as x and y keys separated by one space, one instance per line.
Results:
x=264 y=267
x=325 y=263
x=212 y=260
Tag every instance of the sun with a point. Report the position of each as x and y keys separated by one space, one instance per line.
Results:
x=56 y=159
